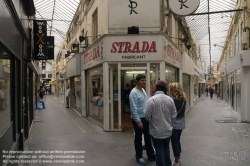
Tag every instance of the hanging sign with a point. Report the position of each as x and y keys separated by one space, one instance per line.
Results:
x=184 y=7
x=50 y=47
x=40 y=40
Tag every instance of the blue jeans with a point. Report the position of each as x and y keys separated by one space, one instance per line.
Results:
x=175 y=141
x=162 y=151
x=147 y=139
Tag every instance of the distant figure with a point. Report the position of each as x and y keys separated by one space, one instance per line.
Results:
x=211 y=91
x=67 y=94
x=218 y=94
x=40 y=97
x=127 y=91
x=206 y=91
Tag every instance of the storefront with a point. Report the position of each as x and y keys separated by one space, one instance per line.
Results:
x=236 y=84
x=73 y=75
x=62 y=84
x=109 y=68
x=15 y=52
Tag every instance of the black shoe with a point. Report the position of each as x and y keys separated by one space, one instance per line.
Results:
x=151 y=158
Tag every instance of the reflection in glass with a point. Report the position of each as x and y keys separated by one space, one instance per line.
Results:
x=4 y=94
x=170 y=75
x=95 y=95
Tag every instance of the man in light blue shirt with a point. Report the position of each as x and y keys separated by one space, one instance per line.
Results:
x=137 y=100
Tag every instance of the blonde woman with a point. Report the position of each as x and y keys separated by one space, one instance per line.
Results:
x=179 y=98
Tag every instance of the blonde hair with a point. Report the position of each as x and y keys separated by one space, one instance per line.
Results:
x=179 y=94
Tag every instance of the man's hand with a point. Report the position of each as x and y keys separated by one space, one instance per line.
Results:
x=139 y=125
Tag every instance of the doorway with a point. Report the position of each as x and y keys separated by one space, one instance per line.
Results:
x=122 y=81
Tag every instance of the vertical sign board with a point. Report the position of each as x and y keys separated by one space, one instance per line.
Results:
x=50 y=46
x=40 y=40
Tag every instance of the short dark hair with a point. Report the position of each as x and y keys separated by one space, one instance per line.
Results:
x=161 y=86
x=139 y=76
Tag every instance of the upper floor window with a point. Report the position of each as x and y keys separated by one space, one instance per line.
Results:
x=95 y=25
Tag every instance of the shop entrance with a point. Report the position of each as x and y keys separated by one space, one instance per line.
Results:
x=123 y=81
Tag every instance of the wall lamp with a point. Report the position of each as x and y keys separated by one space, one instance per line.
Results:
x=184 y=41
x=215 y=45
x=133 y=30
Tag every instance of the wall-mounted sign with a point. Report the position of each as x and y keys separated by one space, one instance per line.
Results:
x=50 y=46
x=3 y=53
x=93 y=56
x=184 y=7
x=40 y=40
x=171 y=54
x=133 y=48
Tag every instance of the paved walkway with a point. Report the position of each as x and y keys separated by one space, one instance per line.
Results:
x=205 y=141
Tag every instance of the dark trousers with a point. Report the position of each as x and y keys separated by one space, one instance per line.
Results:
x=211 y=94
x=67 y=101
x=162 y=151
x=147 y=139
x=175 y=141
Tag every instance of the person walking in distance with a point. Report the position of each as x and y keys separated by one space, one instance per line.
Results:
x=206 y=91
x=137 y=101
x=179 y=98
x=67 y=94
x=161 y=112
x=211 y=91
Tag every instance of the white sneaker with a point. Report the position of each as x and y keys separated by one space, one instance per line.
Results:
x=176 y=164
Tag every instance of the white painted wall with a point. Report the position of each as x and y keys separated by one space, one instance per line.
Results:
x=245 y=93
x=121 y=16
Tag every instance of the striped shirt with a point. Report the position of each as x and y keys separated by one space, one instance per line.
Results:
x=160 y=110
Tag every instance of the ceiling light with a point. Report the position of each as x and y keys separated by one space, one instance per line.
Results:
x=135 y=72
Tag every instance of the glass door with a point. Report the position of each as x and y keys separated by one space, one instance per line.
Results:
x=127 y=83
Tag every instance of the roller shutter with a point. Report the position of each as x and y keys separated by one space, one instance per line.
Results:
x=186 y=88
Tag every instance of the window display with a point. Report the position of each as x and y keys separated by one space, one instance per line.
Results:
x=4 y=94
x=170 y=75
x=95 y=95
x=78 y=106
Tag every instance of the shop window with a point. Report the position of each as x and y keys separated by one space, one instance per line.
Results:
x=154 y=75
x=49 y=75
x=95 y=95
x=4 y=94
x=170 y=75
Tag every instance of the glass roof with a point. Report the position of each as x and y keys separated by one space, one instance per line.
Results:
x=219 y=26
x=59 y=15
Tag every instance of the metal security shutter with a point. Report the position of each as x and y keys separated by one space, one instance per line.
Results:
x=186 y=88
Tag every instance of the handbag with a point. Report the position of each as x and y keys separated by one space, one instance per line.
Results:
x=39 y=105
x=180 y=108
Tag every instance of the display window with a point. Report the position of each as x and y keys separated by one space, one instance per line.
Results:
x=77 y=94
x=170 y=76
x=62 y=90
x=95 y=95
x=238 y=91
x=4 y=94
x=154 y=75
x=195 y=87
